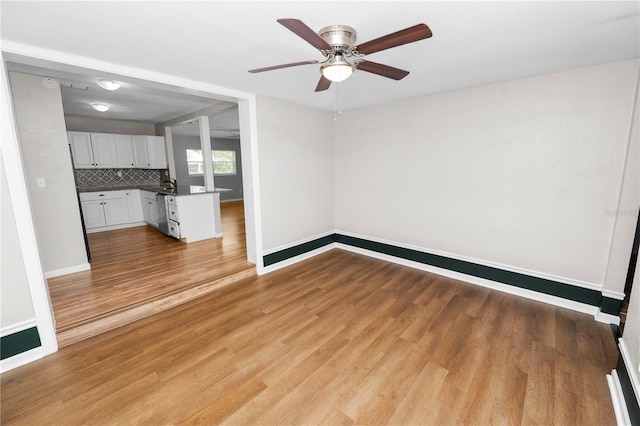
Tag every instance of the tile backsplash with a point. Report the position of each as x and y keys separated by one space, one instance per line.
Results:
x=87 y=178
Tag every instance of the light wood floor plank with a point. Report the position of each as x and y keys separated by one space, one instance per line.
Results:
x=358 y=341
x=136 y=272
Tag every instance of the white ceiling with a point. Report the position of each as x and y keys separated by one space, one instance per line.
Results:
x=473 y=43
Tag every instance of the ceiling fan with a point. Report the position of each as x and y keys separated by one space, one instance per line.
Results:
x=337 y=43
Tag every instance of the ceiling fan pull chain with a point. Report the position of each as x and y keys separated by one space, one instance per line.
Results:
x=339 y=90
x=337 y=101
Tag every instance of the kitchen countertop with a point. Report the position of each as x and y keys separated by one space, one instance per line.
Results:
x=180 y=190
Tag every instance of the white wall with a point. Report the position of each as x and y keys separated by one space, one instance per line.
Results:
x=625 y=215
x=623 y=239
x=16 y=306
x=296 y=171
x=519 y=173
x=97 y=125
x=45 y=150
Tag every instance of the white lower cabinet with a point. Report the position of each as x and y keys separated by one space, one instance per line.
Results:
x=194 y=216
x=93 y=213
x=134 y=205
x=149 y=210
x=173 y=217
x=104 y=208
x=174 y=229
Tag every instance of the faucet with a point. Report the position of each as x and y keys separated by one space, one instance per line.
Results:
x=172 y=182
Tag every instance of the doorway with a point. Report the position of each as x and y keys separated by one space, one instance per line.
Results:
x=250 y=209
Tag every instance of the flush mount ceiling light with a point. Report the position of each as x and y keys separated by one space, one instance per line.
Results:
x=337 y=69
x=100 y=107
x=108 y=84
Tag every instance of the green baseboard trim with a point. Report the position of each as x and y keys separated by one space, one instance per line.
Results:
x=630 y=398
x=19 y=342
x=294 y=251
x=611 y=306
x=541 y=285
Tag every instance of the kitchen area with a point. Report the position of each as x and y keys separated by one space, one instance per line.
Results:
x=155 y=242
x=123 y=181
x=126 y=170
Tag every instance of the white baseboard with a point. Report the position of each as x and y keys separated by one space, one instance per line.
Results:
x=632 y=369
x=505 y=288
x=607 y=318
x=18 y=327
x=68 y=270
x=618 y=295
x=615 y=388
x=617 y=398
x=113 y=227
x=21 y=359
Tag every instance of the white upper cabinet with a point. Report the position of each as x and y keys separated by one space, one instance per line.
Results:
x=105 y=150
x=81 y=150
x=141 y=152
x=93 y=150
x=124 y=149
x=150 y=152
x=157 y=152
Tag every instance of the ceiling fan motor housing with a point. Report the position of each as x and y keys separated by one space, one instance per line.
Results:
x=341 y=37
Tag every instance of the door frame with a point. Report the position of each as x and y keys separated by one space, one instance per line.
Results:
x=46 y=58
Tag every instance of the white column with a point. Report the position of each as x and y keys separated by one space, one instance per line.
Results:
x=171 y=159
x=205 y=144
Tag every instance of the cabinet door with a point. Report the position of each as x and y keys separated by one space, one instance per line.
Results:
x=157 y=152
x=81 y=151
x=104 y=150
x=124 y=152
x=149 y=210
x=141 y=153
x=93 y=214
x=115 y=211
x=153 y=213
x=134 y=206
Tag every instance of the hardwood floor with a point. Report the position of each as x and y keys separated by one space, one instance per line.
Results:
x=136 y=272
x=337 y=339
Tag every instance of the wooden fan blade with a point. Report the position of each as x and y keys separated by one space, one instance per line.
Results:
x=383 y=70
x=307 y=34
x=323 y=84
x=277 y=67
x=408 y=35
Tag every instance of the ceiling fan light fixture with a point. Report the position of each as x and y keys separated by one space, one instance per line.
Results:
x=100 y=107
x=337 y=70
x=108 y=84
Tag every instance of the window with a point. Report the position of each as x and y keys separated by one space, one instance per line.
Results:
x=224 y=162
x=194 y=162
